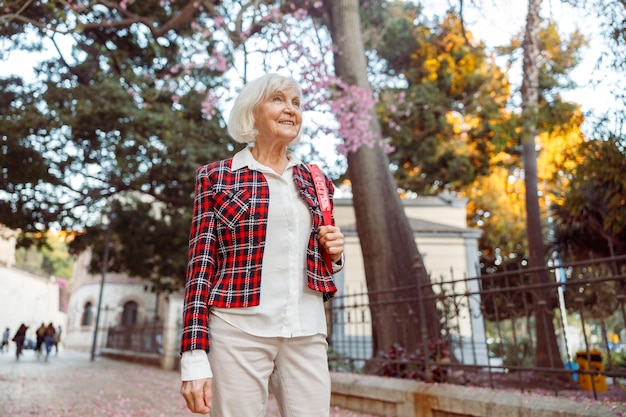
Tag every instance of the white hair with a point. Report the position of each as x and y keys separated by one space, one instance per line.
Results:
x=241 y=120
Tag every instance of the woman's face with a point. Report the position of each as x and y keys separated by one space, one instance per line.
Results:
x=279 y=117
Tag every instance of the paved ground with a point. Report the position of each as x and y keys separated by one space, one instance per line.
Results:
x=71 y=385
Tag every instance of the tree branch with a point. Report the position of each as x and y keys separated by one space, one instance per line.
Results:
x=17 y=14
x=130 y=19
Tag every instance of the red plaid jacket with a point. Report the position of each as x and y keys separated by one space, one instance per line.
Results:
x=227 y=242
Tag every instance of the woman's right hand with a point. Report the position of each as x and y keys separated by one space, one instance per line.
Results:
x=197 y=395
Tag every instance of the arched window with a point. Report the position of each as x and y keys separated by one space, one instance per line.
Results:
x=129 y=315
x=87 y=316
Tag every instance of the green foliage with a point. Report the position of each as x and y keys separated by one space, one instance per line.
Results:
x=453 y=122
x=618 y=360
x=338 y=362
x=518 y=353
x=124 y=114
x=587 y=291
x=149 y=240
x=591 y=216
x=442 y=123
x=52 y=258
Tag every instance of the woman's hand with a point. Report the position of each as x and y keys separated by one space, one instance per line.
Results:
x=331 y=239
x=198 y=395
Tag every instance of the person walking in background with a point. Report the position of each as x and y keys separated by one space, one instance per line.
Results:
x=57 y=339
x=5 y=340
x=19 y=338
x=257 y=279
x=39 y=335
x=48 y=338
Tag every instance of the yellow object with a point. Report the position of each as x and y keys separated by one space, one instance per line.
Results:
x=585 y=380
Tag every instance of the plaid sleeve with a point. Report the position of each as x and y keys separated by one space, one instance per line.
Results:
x=200 y=267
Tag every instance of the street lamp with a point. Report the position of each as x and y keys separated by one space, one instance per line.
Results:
x=105 y=261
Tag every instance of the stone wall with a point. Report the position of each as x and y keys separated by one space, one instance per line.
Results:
x=403 y=398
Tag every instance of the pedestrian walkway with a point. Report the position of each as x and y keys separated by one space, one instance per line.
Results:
x=71 y=385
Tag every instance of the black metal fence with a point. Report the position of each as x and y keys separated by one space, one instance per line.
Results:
x=489 y=330
x=146 y=339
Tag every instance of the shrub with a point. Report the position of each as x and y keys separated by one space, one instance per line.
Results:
x=419 y=365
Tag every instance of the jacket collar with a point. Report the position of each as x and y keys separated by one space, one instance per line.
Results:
x=244 y=158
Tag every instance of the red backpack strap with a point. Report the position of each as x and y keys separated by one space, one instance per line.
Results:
x=324 y=200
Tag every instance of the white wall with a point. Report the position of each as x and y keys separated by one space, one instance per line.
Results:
x=29 y=299
x=449 y=249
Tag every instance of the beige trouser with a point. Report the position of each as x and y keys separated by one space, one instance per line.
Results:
x=245 y=367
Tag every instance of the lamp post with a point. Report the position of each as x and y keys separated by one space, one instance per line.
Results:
x=105 y=261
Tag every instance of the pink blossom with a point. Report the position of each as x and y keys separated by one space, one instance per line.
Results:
x=352 y=106
x=209 y=104
x=217 y=62
x=276 y=13
x=132 y=92
x=245 y=34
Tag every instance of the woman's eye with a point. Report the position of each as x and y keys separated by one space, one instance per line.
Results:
x=277 y=99
x=296 y=104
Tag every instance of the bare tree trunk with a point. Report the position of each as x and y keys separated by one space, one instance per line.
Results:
x=547 y=351
x=390 y=254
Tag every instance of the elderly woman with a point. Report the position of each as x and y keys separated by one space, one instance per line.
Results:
x=257 y=279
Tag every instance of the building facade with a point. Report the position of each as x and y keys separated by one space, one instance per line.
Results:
x=124 y=301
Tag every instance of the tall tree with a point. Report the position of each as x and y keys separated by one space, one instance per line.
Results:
x=546 y=350
x=390 y=254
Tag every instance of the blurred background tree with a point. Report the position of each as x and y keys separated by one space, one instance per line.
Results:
x=51 y=259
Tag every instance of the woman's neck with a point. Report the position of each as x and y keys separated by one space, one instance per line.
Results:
x=272 y=157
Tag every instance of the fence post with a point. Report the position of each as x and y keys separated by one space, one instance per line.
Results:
x=422 y=320
x=170 y=332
